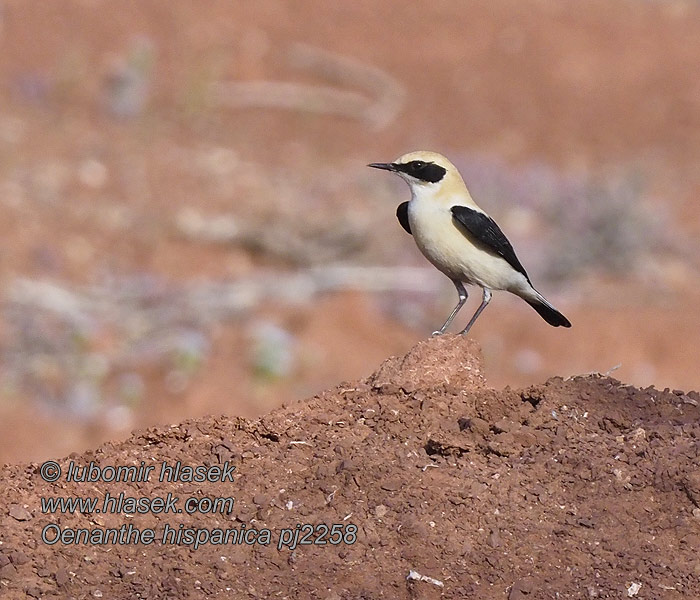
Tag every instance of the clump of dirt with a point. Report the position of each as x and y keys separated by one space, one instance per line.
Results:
x=438 y=487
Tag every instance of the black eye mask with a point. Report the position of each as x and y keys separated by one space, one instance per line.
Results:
x=425 y=171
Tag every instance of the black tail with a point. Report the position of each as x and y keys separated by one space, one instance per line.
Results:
x=549 y=313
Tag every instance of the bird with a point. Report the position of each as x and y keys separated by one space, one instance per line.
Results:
x=459 y=238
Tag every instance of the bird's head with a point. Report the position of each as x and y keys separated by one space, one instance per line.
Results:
x=425 y=172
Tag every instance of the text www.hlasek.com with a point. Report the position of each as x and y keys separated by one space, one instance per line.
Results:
x=131 y=505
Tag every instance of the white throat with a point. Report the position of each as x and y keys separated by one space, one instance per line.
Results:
x=423 y=193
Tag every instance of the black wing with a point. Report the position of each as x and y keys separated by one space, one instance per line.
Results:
x=484 y=229
x=402 y=215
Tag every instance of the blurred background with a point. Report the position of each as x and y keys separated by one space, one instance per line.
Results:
x=187 y=225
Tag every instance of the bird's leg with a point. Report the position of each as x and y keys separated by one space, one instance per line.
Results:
x=462 y=299
x=484 y=303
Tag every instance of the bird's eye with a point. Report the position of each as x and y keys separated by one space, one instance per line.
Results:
x=418 y=164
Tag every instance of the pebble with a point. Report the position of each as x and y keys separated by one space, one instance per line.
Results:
x=8 y=572
x=494 y=539
x=391 y=486
x=18 y=557
x=61 y=577
x=20 y=513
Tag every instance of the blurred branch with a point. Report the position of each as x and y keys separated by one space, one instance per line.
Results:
x=378 y=106
x=387 y=92
x=279 y=239
x=292 y=96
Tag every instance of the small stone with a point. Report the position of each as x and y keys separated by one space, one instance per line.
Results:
x=637 y=434
x=503 y=426
x=494 y=539
x=346 y=465
x=391 y=486
x=521 y=589
x=61 y=577
x=8 y=572
x=380 y=511
x=478 y=425
x=18 y=557
x=525 y=438
x=692 y=486
x=20 y=513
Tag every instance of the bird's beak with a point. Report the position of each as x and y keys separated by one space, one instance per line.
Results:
x=384 y=166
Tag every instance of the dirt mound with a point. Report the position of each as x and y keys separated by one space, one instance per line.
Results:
x=437 y=485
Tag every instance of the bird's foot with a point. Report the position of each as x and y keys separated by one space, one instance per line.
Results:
x=437 y=333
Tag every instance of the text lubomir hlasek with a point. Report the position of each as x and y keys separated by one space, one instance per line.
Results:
x=142 y=472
